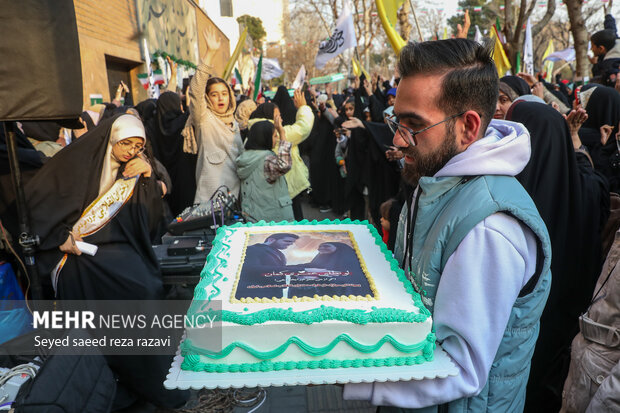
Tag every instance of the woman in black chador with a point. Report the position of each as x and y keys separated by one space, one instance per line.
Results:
x=100 y=190
x=343 y=269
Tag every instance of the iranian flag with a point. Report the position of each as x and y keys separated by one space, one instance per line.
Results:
x=144 y=80
x=238 y=77
x=158 y=77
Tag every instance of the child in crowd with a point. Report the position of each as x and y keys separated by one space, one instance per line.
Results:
x=607 y=52
x=384 y=210
x=264 y=193
x=343 y=135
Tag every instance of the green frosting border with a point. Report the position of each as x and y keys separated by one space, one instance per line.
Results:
x=192 y=362
x=305 y=347
x=211 y=275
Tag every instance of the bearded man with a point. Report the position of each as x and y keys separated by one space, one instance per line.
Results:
x=471 y=240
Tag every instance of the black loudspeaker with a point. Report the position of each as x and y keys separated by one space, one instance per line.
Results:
x=40 y=68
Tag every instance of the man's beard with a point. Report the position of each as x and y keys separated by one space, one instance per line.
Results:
x=430 y=164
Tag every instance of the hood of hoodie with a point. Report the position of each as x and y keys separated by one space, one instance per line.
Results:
x=250 y=160
x=614 y=53
x=504 y=150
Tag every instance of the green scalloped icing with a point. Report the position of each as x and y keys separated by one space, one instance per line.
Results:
x=192 y=362
x=207 y=288
x=305 y=347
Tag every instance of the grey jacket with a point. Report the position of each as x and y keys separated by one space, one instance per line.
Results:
x=593 y=383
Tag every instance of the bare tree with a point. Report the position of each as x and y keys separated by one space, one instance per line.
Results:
x=515 y=18
x=403 y=21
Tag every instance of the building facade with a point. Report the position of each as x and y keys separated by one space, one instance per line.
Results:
x=112 y=33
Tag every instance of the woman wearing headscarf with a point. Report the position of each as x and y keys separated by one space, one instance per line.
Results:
x=100 y=190
x=242 y=115
x=347 y=276
x=510 y=88
x=164 y=132
x=297 y=178
x=573 y=201
x=602 y=104
x=212 y=104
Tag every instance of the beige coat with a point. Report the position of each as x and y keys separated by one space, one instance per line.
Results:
x=219 y=145
x=593 y=383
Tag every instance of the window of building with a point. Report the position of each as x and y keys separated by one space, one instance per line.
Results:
x=226 y=8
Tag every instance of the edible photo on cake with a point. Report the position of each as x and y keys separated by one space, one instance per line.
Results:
x=295 y=264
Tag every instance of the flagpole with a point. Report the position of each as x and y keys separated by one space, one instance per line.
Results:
x=415 y=18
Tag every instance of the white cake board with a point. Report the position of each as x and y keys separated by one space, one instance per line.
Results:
x=441 y=366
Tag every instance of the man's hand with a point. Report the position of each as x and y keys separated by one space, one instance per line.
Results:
x=69 y=246
x=461 y=31
x=299 y=99
x=137 y=166
x=353 y=123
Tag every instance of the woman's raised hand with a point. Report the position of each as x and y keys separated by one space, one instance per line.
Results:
x=137 y=166
x=277 y=122
x=299 y=99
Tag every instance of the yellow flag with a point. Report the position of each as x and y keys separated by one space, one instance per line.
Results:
x=499 y=56
x=358 y=69
x=396 y=41
x=233 y=59
x=548 y=65
x=391 y=9
x=445 y=33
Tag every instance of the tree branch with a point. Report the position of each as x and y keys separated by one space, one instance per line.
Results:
x=546 y=18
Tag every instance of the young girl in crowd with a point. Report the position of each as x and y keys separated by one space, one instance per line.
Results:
x=264 y=193
x=212 y=105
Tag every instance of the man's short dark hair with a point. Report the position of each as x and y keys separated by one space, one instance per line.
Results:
x=281 y=235
x=605 y=38
x=470 y=80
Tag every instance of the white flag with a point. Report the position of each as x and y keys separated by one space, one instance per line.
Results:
x=342 y=38
x=300 y=78
x=153 y=89
x=271 y=68
x=478 y=35
x=528 y=50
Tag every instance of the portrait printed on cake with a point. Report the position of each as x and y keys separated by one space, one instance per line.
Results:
x=301 y=264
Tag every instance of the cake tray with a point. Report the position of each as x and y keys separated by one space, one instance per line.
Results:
x=441 y=367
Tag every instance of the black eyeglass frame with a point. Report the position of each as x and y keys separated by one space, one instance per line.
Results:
x=395 y=126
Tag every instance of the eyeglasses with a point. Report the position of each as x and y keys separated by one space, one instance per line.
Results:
x=407 y=133
x=128 y=146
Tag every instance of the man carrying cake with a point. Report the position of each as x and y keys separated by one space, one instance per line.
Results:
x=470 y=240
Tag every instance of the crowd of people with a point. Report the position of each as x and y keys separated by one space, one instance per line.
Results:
x=496 y=195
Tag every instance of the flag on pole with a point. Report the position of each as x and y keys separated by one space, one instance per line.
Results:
x=238 y=77
x=566 y=55
x=259 y=69
x=270 y=68
x=528 y=50
x=445 y=33
x=233 y=59
x=499 y=56
x=300 y=78
x=518 y=63
x=548 y=65
x=391 y=9
x=478 y=36
x=342 y=38
x=153 y=91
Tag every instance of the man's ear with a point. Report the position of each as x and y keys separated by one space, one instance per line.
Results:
x=470 y=129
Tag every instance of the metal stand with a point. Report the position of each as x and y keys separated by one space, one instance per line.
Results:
x=27 y=241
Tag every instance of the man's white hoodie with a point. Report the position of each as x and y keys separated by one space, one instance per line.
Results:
x=479 y=284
